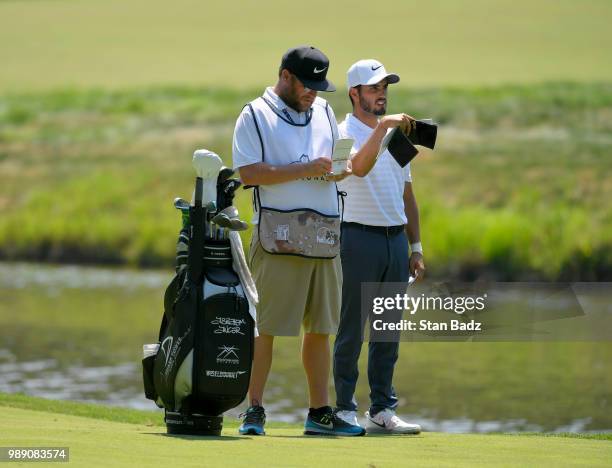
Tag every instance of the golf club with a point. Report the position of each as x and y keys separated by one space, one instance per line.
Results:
x=228 y=218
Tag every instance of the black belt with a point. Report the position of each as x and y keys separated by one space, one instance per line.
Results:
x=386 y=230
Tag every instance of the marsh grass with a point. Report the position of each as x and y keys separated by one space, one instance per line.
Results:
x=515 y=189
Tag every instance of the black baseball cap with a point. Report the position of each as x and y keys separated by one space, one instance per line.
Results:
x=310 y=65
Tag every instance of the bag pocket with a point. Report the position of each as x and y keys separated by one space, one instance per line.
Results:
x=302 y=232
x=147 y=377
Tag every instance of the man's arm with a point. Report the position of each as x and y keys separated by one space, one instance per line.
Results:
x=417 y=266
x=267 y=174
x=363 y=161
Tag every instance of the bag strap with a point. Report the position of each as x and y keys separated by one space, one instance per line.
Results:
x=331 y=127
x=341 y=195
x=286 y=117
x=256 y=198
x=263 y=152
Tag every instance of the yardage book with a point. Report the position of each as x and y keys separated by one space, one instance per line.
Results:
x=342 y=153
x=399 y=146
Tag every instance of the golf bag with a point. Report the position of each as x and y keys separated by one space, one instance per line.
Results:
x=201 y=365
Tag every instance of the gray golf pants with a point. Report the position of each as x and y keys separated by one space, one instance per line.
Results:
x=367 y=256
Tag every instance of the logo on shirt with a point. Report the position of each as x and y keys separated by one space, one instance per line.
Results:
x=304 y=158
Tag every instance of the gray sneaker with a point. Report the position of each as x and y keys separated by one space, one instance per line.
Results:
x=325 y=421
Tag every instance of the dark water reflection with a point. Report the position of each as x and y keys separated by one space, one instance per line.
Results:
x=77 y=333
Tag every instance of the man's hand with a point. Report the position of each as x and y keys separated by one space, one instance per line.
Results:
x=343 y=175
x=417 y=266
x=318 y=167
x=404 y=121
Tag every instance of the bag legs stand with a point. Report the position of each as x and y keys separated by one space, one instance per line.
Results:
x=193 y=424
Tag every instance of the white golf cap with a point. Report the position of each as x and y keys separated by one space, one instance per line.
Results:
x=369 y=72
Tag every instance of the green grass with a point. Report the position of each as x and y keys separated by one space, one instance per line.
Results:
x=97 y=436
x=155 y=418
x=113 y=43
x=73 y=408
x=514 y=190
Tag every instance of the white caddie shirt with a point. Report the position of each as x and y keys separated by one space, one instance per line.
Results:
x=378 y=198
x=288 y=137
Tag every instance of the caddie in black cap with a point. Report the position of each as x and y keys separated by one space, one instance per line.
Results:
x=283 y=145
x=310 y=66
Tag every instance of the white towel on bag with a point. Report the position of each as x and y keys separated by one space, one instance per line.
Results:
x=241 y=268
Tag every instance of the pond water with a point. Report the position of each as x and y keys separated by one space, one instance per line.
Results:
x=76 y=333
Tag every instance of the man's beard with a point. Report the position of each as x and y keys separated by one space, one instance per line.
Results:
x=292 y=100
x=367 y=108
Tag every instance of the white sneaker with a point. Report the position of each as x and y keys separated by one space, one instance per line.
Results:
x=349 y=417
x=387 y=422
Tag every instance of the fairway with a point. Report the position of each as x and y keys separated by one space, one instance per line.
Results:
x=94 y=442
x=102 y=104
x=116 y=43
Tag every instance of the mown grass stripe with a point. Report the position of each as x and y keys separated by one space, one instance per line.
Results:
x=151 y=418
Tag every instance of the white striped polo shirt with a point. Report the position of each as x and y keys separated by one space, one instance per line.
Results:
x=376 y=199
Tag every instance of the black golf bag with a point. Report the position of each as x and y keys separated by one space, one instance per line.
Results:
x=202 y=365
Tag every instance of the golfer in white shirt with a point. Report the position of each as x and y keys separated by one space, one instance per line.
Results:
x=380 y=218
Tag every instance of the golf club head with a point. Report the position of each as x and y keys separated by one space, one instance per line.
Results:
x=231 y=224
x=224 y=174
x=231 y=186
x=226 y=191
x=225 y=215
x=238 y=225
x=230 y=212
x=222 y=180
x=235 y=223
x=207 y=166
x=181 y=204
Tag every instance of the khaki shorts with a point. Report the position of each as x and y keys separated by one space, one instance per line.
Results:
x=295 y=291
